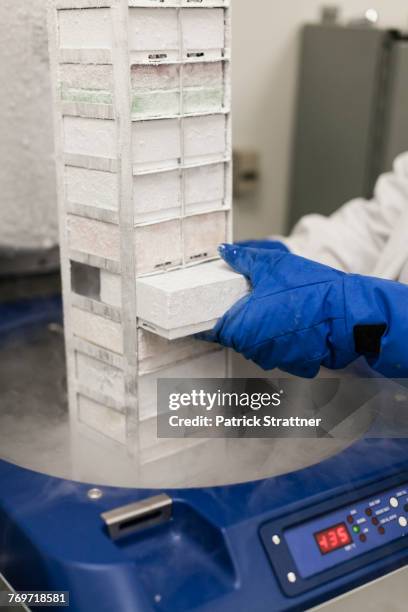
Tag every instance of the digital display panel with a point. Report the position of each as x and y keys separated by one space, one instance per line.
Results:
x=333 y=538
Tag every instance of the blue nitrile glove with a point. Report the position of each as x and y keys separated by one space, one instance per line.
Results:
x=301 y=315
x=264 y=244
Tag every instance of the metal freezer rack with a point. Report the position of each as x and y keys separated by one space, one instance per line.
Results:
x=143 y=141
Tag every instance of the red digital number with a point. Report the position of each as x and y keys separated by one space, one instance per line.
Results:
x=323 y=543
x=333 y=538
x=344 y=535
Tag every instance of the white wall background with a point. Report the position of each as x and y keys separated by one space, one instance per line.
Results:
x=265 y=60
x=28 y=214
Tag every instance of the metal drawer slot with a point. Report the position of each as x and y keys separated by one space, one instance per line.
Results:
x=133 y=518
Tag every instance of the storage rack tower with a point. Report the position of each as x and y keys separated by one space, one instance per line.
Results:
x=143 y=147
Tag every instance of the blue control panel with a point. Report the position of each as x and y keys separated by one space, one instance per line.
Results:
x=327 y=541
x=338 y=537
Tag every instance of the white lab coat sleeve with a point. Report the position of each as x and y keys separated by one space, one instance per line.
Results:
x=353 y=238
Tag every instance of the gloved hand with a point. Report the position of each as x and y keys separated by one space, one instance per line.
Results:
x=264 y=244
x=301 y=315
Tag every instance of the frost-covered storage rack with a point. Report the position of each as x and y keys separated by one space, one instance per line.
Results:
x=144 y=161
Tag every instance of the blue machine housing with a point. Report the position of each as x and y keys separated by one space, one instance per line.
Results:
x=209 y=557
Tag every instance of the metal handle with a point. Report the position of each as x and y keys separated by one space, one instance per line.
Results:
x=136 y=517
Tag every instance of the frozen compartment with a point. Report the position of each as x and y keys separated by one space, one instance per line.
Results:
x=102 y=419
x=85 y=28
x=203 y=32
x=153 y=34
x=93 y=237
x=86 y=76
x=97 y=330
x=203 y=234
x=155 y=90
x=157 y=196
x=203 y=87
x=110 y=289
x=156 y=144
x=102 y=379
x=90 y=137
x=184 y=302
x=155 y=353
x=204 y=138
x=91 y=188
x=158 y=246
x=86 y=83
x=204 y=188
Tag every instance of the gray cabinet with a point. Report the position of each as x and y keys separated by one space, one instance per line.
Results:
x=352 y=115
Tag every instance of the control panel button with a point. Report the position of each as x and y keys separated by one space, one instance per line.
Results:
x=342 y=536
x=394 y=503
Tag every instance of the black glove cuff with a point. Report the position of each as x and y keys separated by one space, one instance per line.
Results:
x=367 y=339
